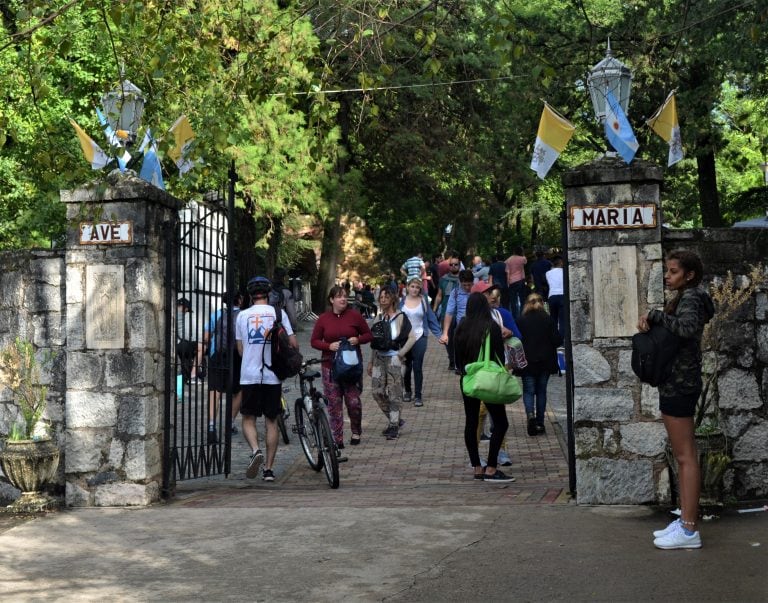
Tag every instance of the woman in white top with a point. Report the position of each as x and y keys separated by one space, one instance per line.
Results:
x=418 y=310
x=556 y=291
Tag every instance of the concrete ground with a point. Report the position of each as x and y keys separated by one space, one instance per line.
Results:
x=407 y=524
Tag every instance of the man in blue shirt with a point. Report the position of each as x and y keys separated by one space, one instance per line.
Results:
x=457 y=307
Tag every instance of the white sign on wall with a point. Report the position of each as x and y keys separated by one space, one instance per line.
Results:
x=105 y=306
x=614 y=274
x=109 y=233
x=594 y=217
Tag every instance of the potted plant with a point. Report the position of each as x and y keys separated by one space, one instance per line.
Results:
x=711 y=441
x=29 y=457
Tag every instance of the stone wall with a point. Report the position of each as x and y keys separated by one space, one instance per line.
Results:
x=115 y=309
x=741 y=384
x=101 y=309
x=613 y=275
x=32 y=288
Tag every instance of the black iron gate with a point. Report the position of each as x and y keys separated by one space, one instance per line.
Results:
x=199 y=249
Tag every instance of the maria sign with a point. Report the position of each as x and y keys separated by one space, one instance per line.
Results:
x=594 y=217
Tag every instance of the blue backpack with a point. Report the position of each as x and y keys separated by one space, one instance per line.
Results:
x=347 y=365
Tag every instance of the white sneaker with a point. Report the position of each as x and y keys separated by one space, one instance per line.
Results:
x=667 y=530
x=678 y=539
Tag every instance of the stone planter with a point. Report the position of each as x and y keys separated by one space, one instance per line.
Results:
x=29 y=465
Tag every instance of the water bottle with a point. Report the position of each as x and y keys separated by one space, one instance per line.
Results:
x=308 y=404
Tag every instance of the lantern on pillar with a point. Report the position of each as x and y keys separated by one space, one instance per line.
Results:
x=612 y=75
x=123 y=107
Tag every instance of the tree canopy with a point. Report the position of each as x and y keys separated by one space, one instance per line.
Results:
x=409 y=114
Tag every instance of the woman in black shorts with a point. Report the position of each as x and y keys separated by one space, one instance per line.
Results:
x=685 y=315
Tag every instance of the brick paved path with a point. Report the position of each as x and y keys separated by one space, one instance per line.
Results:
x=427 y=465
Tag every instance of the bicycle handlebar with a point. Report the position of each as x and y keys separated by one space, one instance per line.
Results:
x=311 y=361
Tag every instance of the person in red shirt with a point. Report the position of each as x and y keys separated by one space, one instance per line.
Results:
x=340 y=321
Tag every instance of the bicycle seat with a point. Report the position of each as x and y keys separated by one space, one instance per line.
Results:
x=311 y=375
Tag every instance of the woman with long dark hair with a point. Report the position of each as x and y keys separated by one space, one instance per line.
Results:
x=469 y=338
x=685 y=315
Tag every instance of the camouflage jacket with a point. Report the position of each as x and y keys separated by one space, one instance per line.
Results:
x=694 y=310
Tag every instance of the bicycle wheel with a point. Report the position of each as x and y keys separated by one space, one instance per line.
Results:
x=305 y=429
x=281 y=422
x=327 y=446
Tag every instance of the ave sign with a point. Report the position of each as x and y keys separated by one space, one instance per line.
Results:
x=593 y=217
x=106 y=233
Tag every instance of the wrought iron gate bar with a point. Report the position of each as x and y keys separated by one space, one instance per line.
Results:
x=198 y=247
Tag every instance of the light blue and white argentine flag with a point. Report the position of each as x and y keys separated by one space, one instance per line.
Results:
x=617 y=129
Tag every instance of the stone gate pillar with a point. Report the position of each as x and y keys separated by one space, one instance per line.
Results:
x=615 y=273
x=115 y=324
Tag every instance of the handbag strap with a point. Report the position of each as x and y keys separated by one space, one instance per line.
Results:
x=484 y=355
x=487 y=353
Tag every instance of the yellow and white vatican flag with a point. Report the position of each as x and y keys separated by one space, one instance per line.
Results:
x=664 y=123
x=93 y=153
x=183 y=136
x=554 y=133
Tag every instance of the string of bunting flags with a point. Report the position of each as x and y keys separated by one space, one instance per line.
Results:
x=552 y=136
x=555 y=131
x=151 y=170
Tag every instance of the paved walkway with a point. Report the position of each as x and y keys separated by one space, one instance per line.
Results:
x=408 y=524
x=428 y=464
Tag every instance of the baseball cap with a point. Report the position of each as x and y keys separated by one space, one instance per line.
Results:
x=482 y=287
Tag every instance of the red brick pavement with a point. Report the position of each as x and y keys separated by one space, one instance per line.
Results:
x=428 y=464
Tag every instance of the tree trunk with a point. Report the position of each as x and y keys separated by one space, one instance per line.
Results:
x=329 y=260
x=329 y=253
x=534 y=229
x=709 y=199
x=273 y=247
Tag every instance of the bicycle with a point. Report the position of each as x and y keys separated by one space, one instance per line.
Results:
x=312 y=426
x=282 y=418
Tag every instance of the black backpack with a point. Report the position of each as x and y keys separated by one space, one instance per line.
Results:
x=382 y=334
x=223 y=333
x=653 y=354
x=286 y=360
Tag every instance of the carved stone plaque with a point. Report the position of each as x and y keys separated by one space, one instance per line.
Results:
x=105 y=307
x=614 y=279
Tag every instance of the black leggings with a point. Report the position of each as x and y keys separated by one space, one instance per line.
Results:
x=500 y=424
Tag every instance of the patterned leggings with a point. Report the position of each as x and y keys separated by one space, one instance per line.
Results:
x=387 y=386
x=350 y=394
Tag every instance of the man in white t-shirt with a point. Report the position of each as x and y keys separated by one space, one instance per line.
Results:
x=556 y=292
x=262 y=390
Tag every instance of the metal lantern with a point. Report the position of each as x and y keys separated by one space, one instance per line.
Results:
x=123 y=107
x=609 y=74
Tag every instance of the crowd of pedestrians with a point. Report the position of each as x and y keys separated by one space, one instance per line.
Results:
x=507 y=307
x=494 y=297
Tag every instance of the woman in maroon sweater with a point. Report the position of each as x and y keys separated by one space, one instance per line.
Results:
x=341 y=321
